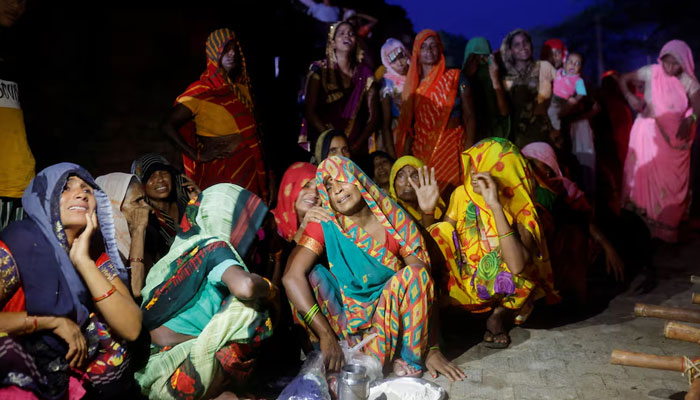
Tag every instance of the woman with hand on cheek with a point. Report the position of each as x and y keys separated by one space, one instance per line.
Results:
x=62 y=311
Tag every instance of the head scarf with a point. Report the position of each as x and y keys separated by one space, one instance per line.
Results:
x=222 y=213
x=506 y=53
x=415 y=163
x=215 y=77
x=146 y=165
x=293 y=180
x=390 y=215
x=323 y=143
x=546 y=52
x=682 y=53
x=413 y=80
x=392 y=46
x=115 y=185
x=51 y=283
x=543 y=152
x=477 y=45
x=516 y=191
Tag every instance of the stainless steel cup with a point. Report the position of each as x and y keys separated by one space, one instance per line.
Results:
x=354 y=382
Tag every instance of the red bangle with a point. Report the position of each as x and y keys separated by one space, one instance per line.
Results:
x=104 y=296
x=429 y=213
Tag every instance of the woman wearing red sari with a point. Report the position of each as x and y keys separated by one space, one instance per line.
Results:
x=213 y=122
x=436 y=121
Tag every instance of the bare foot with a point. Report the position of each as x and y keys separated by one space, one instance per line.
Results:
x=496 y=335
x=402 y=368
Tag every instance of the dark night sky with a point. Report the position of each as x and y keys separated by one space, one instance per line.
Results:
x=490 y=18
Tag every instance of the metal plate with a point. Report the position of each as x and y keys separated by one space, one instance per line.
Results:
x=401 y=379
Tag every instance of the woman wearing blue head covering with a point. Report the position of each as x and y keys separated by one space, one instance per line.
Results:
x=65 y=315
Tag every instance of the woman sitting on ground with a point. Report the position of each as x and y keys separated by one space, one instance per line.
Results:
x=66 y=316
x=200 y=303
x=130 y=212
x=495 y=251
x=416 y=190
x=568 y=223
x=168 y=192
x=362 y=297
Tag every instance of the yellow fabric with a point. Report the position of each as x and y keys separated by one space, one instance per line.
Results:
x=212 y=120
x=415 y=163
x=476 y=283
x=17 y=168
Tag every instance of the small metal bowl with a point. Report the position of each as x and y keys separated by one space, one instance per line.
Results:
x=401 y=379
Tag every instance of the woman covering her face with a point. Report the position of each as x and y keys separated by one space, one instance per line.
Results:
x=65 y=306
x=495 y=251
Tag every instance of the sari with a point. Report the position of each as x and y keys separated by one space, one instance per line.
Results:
x=39 y=278
x=115 y=185
x=340 y=108
x=657 y=168
x=415 y=163
x=184 y=291
x=527 y=89
x=477 y=278
x=293 y=180
x=489 y=121
x=425 y=112
x=367 y=288
x=224 y=107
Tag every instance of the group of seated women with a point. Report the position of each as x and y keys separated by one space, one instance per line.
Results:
x=360 y=260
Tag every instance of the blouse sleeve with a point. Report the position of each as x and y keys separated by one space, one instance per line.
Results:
x=9 y=275
x=104 y=264
x=691 y=85
x=313 y=239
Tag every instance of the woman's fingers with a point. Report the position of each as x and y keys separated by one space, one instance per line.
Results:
x=413 y=184
x=432 y=176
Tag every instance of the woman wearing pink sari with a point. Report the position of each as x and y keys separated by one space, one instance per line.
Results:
x=657 y=167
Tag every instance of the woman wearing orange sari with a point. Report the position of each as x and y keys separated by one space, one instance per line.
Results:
x=213 y=122
x=436 y=121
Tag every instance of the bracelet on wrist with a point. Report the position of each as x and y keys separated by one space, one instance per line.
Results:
x=505 y=235
x=135 y=259
x=30 y=327
x=106 y=295
x=694 y=117
x=429 y=213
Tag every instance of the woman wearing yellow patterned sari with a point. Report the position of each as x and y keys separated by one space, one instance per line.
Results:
x=495 y=252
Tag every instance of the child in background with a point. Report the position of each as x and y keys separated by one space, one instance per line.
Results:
x=569 y=90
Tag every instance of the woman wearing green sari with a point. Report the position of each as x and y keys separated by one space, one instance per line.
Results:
x=201 y=305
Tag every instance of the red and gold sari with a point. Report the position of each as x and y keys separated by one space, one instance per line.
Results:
x=425 y=113
x=223 y=107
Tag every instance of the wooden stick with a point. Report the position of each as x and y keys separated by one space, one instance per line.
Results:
x=694 y=279
x=643 y=360
x=676 y=330
x=695 y=298
x=673 y=313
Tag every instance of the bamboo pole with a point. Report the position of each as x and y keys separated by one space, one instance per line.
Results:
x=694 y=279
x=676 y=330
x=673 y=313
x=695 y=298
x=643 y=360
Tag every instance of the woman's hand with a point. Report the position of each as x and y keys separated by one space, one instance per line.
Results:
x=332 y=353
x=427 y=190
x=316 y=214
x=80 y=250
x=437 y=364
x=637 y=104
x=71 y=334
x=190 y=187
x=489 y=188
x=211 y=152
x=137 y=217
x=685 y=129
x=614 y=264
x=493 y=70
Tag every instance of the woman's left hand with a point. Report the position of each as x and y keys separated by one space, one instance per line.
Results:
x=427 y=190
x=80 y=250
x=685 y=129
x=614 y=264
x=437 y=364
x=190 y=187
x=489 y=188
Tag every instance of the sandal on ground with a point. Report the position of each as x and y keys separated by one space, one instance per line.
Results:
x=403 y=369
x=491 y=342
